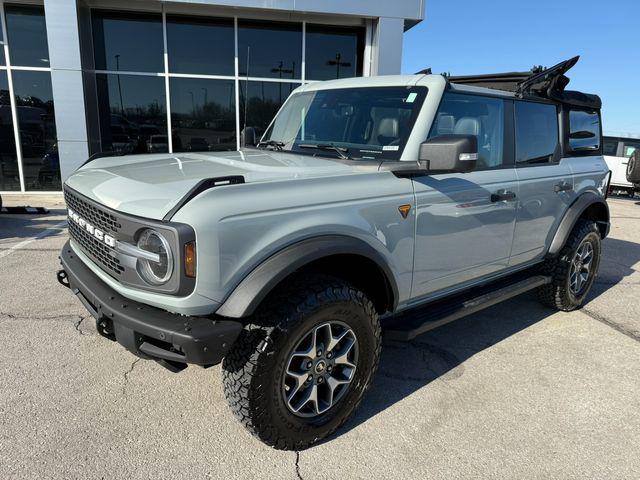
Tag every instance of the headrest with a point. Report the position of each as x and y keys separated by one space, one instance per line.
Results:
x=388 y=127
x=467 y=126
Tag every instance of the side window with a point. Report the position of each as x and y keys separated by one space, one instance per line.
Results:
x=474 y=115
x=584 y=130
x=630 y=147
x=536 y=132
x=610 y=146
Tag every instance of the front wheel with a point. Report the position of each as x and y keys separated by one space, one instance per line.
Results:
x=574 y=270
x=302 y=366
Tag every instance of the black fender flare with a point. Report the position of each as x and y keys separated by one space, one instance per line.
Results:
x=248 y=294
x=571 y=216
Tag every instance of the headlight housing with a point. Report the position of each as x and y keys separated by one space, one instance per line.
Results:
x=155 y=273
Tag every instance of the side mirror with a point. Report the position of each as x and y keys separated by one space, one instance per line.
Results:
x=450 y=153
x=248 y=137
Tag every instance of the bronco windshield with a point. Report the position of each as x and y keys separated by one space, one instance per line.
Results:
x=358 y=123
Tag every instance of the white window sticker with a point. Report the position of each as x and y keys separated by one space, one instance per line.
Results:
x=411 y=98
x=390 y=148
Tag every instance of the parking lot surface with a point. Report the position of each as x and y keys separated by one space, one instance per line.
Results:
x=517 y=391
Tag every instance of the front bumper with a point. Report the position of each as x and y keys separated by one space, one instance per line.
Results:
x=171 y=339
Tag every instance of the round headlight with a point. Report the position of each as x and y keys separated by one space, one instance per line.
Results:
x=155 y=273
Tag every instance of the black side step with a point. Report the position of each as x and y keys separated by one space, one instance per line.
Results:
x=408 y=325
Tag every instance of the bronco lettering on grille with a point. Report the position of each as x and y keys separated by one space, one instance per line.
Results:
x=96 y=232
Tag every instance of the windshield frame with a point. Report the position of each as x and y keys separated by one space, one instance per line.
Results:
x=354 y=151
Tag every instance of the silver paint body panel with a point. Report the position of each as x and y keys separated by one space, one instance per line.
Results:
x=453 y=237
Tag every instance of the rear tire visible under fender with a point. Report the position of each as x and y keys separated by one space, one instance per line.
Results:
x=573 y=270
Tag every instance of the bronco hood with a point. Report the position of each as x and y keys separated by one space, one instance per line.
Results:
x=151 y=185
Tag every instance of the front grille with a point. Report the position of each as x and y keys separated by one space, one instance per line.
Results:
x=99 y=252
x=105 y=221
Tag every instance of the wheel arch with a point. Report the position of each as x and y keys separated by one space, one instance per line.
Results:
x=588 y=205
x=344 y=257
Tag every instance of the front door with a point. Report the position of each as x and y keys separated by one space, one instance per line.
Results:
x=465 y=222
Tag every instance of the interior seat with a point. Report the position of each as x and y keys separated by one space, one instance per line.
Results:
x=388 y=130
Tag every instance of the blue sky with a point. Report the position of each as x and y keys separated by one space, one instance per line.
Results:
x=484 y=36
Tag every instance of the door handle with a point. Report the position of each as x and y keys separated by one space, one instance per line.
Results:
x=503 y=196
x=562 y=187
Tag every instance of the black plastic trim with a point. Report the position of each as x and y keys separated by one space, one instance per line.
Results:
x=144 y=330
x=200 y=187
x=177 y=233
x=246 y=297
x=571 y=217
x=105 y=154
x=409 y=324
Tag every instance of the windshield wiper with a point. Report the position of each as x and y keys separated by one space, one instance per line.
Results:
x=272 y=143
x=341 y=151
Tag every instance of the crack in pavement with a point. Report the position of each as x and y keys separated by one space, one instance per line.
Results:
x=13 y=316
x=619 y=328
x=126 y=375
x=77 y=325
x=298 y=465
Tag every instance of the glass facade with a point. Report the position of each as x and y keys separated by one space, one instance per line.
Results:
x=127 y=42
x=27 y=34
x=37 y=127
x=189 y=41
x=2 y=60
x=133 y=113
x=203 y=114
x=26 y=104
x=333 y=53
x=157 y=82
x=262 y=102
x=270 y=50
x=199 y=82
x=9 y=173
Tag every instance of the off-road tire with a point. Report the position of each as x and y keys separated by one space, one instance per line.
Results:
x=633 y=167
x=253 y=369
x=557 y=294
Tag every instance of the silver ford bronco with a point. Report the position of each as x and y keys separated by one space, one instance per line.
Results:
x=388 y=204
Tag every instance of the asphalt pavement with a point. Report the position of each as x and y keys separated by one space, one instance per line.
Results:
x=516 y=391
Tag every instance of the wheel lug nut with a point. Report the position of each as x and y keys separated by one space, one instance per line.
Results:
x=319 y=353
x=320 y=379
x=329 y=368
x=309 y=365
x=329 y=355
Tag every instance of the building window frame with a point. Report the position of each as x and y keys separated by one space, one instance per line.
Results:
x=167 y=75
x=9 y=68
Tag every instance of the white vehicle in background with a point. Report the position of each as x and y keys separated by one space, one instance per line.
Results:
x=617 y=151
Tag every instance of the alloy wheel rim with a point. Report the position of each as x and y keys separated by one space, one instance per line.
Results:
x=320 y=369
x=581 y=268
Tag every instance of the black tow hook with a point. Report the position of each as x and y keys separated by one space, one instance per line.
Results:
x=63 y=279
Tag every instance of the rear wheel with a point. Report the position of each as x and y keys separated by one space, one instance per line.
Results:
x=574 y=269
x=302 y=366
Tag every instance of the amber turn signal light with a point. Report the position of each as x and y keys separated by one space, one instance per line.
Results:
x=404 y=210
x=190 y=259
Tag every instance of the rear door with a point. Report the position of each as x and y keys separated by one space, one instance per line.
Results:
x=545 y=180
x=465 y=222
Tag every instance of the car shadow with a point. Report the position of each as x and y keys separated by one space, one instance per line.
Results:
x=618 y=259
x=439 y=355
x=19 y=227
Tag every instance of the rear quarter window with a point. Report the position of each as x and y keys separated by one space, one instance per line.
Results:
x=584 y=131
